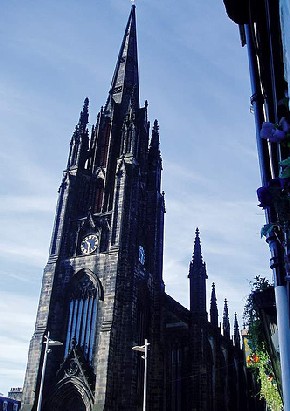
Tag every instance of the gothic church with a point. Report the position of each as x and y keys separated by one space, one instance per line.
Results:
x=103 y=292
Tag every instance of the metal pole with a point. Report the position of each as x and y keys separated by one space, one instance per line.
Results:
x=145 y=374
x=143 y=349
x=39 y=403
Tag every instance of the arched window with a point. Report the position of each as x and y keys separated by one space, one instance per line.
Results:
x=82 y=316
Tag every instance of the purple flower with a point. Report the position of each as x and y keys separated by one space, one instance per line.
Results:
x=277 y=136
x=267 y=130
x=272 y=133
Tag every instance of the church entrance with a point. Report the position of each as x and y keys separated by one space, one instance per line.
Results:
x=72 y=404
x=67 y=403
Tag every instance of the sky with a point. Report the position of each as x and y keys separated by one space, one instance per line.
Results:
x=194 y=74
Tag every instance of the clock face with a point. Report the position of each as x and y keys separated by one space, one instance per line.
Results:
x=89 y=244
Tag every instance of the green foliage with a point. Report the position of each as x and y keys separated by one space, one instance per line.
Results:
x=259 y=359
x=251 y=315
x=269 y=390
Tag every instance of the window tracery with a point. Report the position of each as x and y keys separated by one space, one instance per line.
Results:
x=82 y=316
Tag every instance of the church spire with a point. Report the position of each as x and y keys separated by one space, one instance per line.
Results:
x=197 y=257
x=155 y=136
x=154 y=159
x=125 y=82
x=237 y=337
x=197 y=279
x=226 y=321
x=80 y=139
x=213 y=307
x=84 y=115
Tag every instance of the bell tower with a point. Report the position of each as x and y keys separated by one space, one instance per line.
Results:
x=103 y=279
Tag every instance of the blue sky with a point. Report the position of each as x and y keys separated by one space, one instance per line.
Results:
x=194 y=73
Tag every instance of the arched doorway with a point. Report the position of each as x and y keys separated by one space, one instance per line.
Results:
x=72 y=404
x=70 y=394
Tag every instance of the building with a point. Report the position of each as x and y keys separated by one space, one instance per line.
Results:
x=9 y=404
x=264 y=28
x=15 y=393
x=103 y=291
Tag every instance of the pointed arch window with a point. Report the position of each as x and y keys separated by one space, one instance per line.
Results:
x=82 y=314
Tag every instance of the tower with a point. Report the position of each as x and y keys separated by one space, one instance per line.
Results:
x=237 y=337
x=197 y=280
x=226 y=321
x=213 y=308
x=101 y=285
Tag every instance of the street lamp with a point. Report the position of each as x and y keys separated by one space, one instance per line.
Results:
x=48 y=343
x=144 y=349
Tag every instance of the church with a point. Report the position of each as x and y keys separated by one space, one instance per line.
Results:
x=103 y=291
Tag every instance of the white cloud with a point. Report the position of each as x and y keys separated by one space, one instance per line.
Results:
x=26 y=204
x=17 y=317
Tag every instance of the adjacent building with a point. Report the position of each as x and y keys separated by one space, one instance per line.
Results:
x=264 y=27
x=9 y=404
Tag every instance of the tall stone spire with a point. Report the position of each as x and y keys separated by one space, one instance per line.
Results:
x=154 y=159
x=80 y=140
x=213 y=307
x=226 y=321
x=125 y=81
x=237 y=337
x=197 y=257
x=197 y=279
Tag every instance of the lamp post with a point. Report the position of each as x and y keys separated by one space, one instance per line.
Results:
x=144 y=349
x=48 y=343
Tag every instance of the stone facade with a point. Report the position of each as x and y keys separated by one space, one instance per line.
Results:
x=102 y=290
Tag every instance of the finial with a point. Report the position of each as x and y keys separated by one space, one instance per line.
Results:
x=213 y=307
x=226 y=323
x=84 y=115
x=237 y=338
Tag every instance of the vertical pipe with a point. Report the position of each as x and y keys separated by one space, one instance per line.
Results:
x=257 y=102
x=145 y=374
